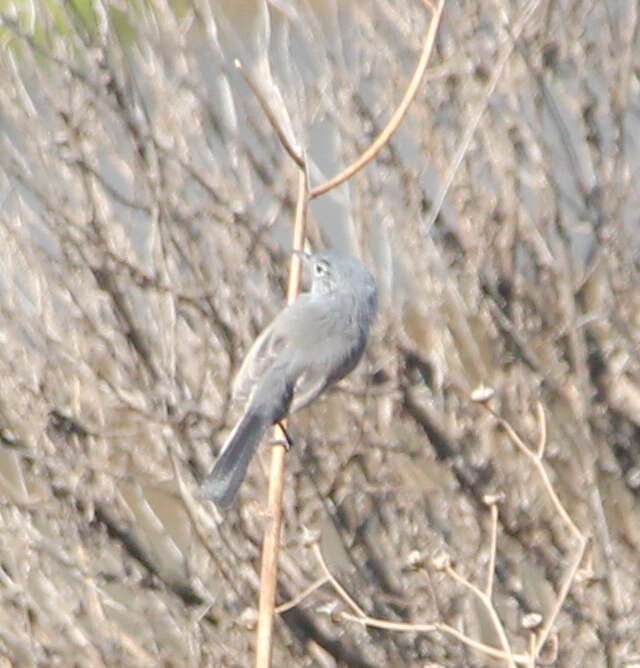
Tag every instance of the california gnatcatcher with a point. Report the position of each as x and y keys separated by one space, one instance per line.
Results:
x=310 y=344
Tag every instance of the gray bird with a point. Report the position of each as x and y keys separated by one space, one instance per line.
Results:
x=310 y=344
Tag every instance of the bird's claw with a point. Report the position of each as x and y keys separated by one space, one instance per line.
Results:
x=287 y=442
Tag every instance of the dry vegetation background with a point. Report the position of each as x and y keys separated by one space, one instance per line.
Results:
x=144 y=231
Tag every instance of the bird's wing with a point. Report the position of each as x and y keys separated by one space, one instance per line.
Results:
x=261 y=356
x=301 y=325
x=309 y=385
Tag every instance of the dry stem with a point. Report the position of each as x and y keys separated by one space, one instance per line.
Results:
x=486 y=601
x=536 y=641
x=271 y=544
x=280 y=133
x=395 y=120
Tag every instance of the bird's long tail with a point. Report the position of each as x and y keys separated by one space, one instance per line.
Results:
x=222 y=484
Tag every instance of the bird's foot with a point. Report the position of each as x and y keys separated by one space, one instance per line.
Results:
x=286 y=441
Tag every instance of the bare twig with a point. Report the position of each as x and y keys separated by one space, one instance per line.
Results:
x=303 y=594
x=539 y=465
x=542 y=426
x=491 y=567
x=336 y=585
x=271 y=117
x=396 y=119
x=360 y=617
x=443 y=563
x=270 y=549
x=569 y=577
x=271 y=544
x=536 y=458
x=486 y=601
x=519 y=659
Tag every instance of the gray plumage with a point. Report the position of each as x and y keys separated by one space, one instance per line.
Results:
x=310 y=344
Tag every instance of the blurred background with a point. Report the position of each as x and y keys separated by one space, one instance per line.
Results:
x=145 y=225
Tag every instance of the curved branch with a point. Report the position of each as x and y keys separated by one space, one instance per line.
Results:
x=396 y=119
x=271 y=117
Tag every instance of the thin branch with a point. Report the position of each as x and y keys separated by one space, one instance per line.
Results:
x=564 y=591
x=302 y=595
x=336 y=585
x=270 y=550
x=492 y=554
x=395 y=120
x=583 y=539
x=271 y=544
x=532 y=650
x=518 y=659
x=486 y=601
x=360 y=617
x=537 y=642
x=271 y=117
x=537 y=462
x=299 y=226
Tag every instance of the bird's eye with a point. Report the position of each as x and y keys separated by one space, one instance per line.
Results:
x=320 y=268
